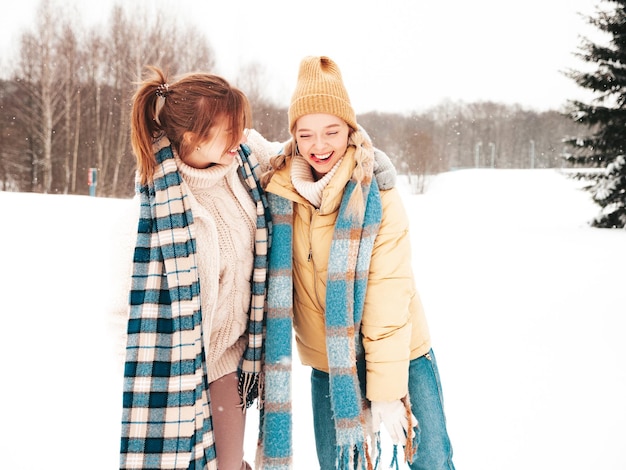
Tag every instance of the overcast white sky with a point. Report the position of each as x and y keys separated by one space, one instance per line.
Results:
x=395 y=55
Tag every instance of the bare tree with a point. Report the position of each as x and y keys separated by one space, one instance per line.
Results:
x=252 y=80
x=41 y=91
x=134 y=40
x=15 y=168
x=268 y=118
x=70 y=58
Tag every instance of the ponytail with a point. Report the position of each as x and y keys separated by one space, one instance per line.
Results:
x=145 y=125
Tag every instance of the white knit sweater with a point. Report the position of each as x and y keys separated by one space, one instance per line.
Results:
x=224 y=221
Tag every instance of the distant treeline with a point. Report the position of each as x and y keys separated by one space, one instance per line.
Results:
x=64 y=109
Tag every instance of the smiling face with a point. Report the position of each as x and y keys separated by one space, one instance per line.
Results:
x=214 y=149
x=322 y=141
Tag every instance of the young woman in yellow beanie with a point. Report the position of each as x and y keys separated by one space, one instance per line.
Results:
x=340 y=275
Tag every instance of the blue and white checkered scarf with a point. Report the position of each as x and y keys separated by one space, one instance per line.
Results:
x=166 y=420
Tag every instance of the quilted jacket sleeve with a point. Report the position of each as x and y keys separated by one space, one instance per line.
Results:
x=386 y=324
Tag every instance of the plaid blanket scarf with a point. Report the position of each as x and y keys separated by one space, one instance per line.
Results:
x=348 y=268
x=166 y=419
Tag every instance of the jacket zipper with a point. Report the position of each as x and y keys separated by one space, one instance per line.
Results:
x=310 y=258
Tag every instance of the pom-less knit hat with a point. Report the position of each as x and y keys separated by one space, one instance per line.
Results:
x=320 y=90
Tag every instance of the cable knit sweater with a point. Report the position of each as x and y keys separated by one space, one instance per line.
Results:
x=225 y=218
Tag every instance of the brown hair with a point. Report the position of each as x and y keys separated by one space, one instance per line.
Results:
x=189 y=104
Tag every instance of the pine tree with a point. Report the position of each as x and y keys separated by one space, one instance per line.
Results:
x=602 y=152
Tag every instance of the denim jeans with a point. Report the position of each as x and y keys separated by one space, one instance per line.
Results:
x=434 y=451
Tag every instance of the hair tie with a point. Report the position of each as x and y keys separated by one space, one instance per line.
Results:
x=162 y=91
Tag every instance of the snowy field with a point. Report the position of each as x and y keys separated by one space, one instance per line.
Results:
x=526 y=303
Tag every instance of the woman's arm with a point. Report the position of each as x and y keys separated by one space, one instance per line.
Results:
x=262 y=148
x=386 y=325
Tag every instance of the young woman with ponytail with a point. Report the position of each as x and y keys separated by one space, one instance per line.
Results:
x=197 y=293
x=341 y=277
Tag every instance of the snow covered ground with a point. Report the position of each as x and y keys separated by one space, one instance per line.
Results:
x=526 y=304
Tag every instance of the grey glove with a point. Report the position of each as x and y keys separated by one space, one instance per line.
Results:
x=384 y=171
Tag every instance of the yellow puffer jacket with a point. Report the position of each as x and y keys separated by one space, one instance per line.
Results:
x=394 y=328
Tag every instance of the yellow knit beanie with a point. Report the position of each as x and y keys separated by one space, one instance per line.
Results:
x=320 y=90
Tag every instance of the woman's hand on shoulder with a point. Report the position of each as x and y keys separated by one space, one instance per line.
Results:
x=262 y=148
x=384 y=171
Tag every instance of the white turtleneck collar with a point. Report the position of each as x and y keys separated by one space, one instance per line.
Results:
x=203 y=178
x=305 y=184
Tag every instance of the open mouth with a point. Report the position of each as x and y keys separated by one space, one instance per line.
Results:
x=321 y=157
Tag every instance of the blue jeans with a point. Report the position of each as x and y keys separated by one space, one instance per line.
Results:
x=434 y=451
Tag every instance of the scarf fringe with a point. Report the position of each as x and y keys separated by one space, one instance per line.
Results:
x=409 y=449
x=355 y=456
x=394 y=460
x=248 y=388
